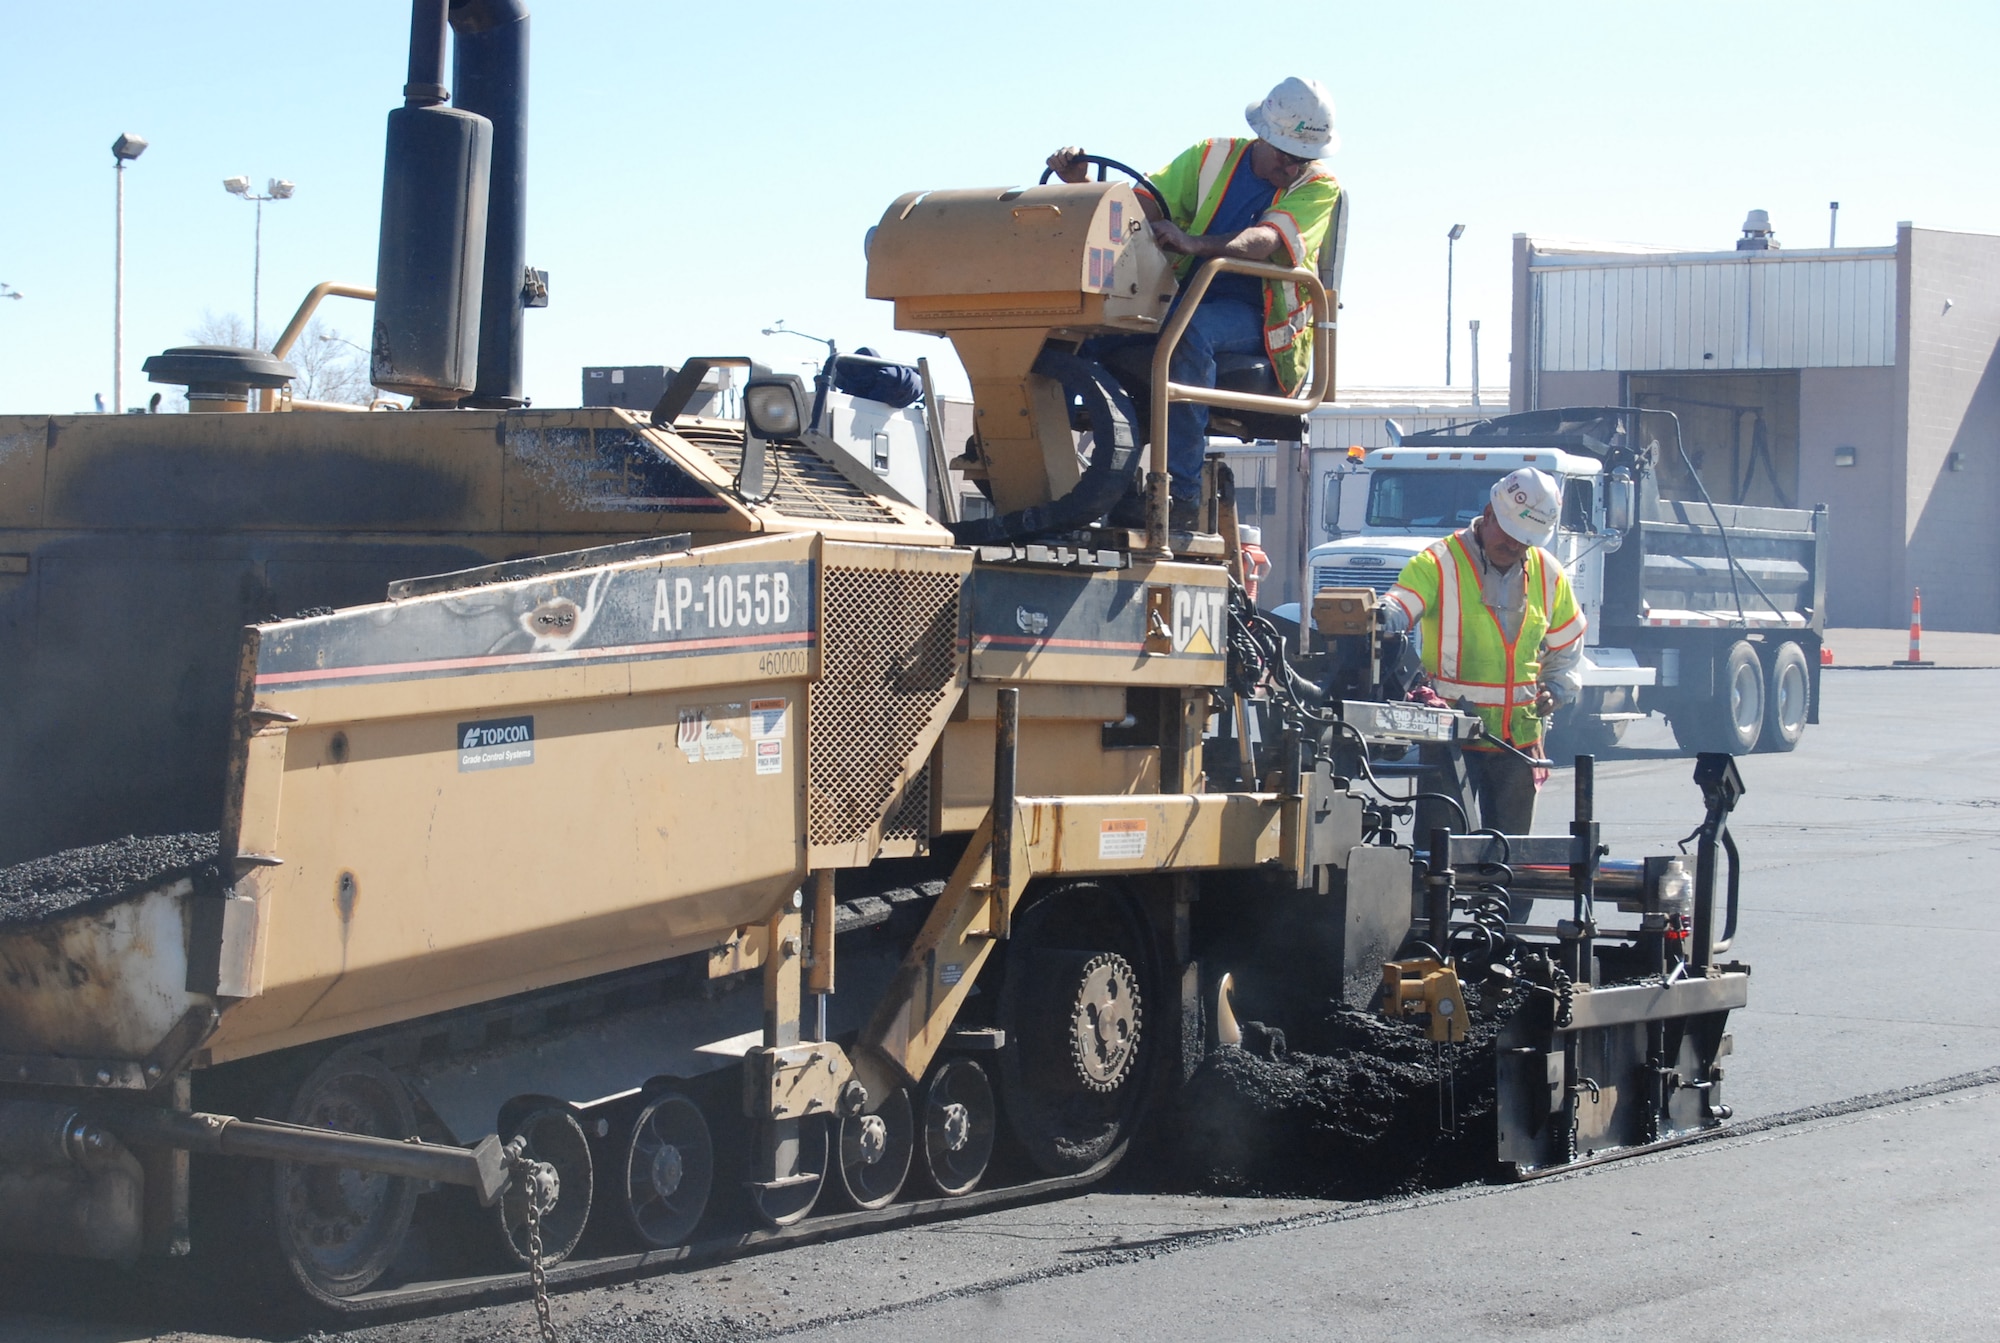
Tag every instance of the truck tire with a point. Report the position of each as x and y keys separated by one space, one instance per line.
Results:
x=1732 y=719
x=1787 y=691
x=1579 y=731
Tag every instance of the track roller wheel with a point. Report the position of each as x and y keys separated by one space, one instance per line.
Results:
x=958 y=1127
x=669 y=1171
x=875 y=1150
x=553 y=1136
x=1073 y=1007
x=802 y=1150
x=337 y=1231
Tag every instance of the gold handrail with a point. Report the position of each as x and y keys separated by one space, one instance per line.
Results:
x=267 y=400
x=1166 y=392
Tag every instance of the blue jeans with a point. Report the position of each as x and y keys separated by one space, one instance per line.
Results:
x=1220 y=326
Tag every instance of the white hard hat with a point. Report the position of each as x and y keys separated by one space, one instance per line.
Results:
x=1526 y=504
x=1297 y=117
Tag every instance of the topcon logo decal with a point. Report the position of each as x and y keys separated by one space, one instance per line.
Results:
x=497 y=743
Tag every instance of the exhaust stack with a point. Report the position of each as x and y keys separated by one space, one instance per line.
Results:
x=449 y=268
x=490 y=73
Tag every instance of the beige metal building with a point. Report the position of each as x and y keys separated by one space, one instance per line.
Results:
x=1864 y=378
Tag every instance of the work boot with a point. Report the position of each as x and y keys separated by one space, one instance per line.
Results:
x=1129 y=512
x=1184 y=515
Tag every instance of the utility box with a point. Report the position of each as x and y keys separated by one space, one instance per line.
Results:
x=640 y=386
x=633 y=386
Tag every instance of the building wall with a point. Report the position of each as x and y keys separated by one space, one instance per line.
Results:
x=1716 y=311
x=1605 y=388
x=1884 y=367
x=1853 y=408
x=1952 y=517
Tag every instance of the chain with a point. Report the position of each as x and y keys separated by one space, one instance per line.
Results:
x=526 y=1173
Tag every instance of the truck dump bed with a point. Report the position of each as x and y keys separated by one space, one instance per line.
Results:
x=1759 y=566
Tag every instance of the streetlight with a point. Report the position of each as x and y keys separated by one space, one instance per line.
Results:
x=9 y=291
x=1450 y=246
x=123 y=150
x=277 y=189
x=823 y=379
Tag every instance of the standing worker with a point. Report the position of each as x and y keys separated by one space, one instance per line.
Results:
x=1261 y=199
x=1501 y=631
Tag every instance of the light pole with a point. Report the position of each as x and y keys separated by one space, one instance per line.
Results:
x=123 y=150
x=1473 y=330
x=1450 y=249
x=277 y=189
x=823 y=379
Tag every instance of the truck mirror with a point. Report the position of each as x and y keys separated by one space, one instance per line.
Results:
x=1620 y=503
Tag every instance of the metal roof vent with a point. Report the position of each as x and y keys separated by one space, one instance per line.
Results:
x=1757 y=234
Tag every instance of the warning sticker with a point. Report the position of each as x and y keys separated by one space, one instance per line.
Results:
x=768 y=718
x=770 y=756
x=1121 y=839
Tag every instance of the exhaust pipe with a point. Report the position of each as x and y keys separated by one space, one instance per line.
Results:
x=490 y=73
x=430 y=261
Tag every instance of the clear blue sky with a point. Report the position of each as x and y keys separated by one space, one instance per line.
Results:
x=699 y=170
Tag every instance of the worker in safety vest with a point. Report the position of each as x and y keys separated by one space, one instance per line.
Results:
x=1256 y=199
x=1500 y=633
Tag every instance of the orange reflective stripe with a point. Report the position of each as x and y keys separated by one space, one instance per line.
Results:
x=1518 y=694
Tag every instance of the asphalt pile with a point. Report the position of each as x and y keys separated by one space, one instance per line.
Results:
x=1356 y=1107
x=42 y=890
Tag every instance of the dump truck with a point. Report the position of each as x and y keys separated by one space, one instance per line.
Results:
x=1711 y=614
x=434 y=836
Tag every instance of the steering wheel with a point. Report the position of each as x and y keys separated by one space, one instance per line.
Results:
x=1139 y=179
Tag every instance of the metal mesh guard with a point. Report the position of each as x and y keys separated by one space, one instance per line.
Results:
x=889 y=651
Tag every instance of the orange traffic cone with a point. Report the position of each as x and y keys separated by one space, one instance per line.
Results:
x=1916 y=657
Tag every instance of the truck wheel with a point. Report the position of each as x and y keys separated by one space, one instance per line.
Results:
x=1733 y=718
x=1578 y=731
x=1787 y=689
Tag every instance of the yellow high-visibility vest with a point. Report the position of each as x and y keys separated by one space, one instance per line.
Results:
x=1194 y=185
x=1465 y=650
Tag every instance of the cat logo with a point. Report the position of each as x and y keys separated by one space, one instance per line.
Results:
x=1198 y=617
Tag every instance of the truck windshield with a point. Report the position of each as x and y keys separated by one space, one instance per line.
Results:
x=1428 y=499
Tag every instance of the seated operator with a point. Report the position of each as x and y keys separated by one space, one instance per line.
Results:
x=1262 y=199
x=1499 y=629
